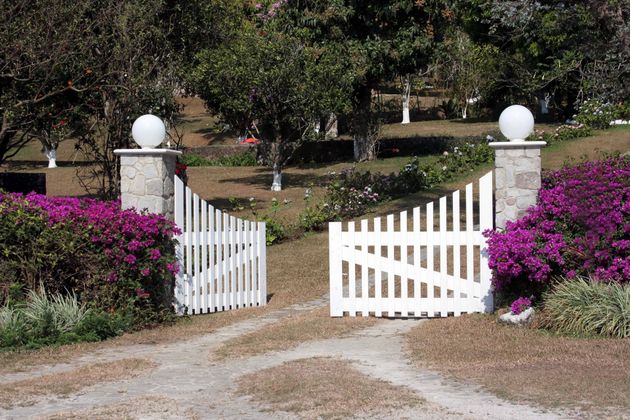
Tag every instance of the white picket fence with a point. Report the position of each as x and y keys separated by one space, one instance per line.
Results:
x=417 y=272
x=222 y=259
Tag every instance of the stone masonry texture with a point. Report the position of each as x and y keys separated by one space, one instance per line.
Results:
x=517 y=179
x=146 y=182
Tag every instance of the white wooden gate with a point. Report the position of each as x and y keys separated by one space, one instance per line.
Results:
x=425 y=271
x=222 y=259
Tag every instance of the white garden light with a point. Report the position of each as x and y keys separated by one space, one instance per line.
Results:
x=148 y=131
x=516 y=123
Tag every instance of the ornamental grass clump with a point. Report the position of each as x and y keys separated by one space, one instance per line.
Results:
x=584 y=307
x=114 y=260
x=580 y=226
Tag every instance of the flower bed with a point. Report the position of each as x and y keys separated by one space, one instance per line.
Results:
x=351 y=193
x=581 y=226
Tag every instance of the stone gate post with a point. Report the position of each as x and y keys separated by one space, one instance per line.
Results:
x=147 y=179
x=147 y=174
x=517 y=178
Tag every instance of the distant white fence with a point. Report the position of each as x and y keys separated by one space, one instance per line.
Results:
x=417 y=272
x=222 y=259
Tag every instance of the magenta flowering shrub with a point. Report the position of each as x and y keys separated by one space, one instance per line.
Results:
x=520 y=305
x=113 y=259
x=580 y=226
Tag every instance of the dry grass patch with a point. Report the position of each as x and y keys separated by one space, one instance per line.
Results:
x=290 y=332
x=153 y=407
x=324 y=388
x=184 y=328
x=526 y=364
x=26 y=392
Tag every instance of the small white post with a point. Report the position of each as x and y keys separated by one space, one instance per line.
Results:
x=335 y=247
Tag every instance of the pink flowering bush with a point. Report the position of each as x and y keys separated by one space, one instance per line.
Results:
x=113 y=259
x=521 y=304
x=580 y=226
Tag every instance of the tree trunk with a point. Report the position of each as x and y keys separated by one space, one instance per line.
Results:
x=406 y=96
x=332 y=130
x=465 y=110
x=51 y=154
x=544 y=104
x=277 y=178
x=363 y=142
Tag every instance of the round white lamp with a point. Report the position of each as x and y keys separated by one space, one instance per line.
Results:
x=516 y=123
x=148 y=131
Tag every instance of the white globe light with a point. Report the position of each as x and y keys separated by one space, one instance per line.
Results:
x=516 y=123
x=148 y=131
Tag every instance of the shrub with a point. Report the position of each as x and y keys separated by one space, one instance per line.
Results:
x=113 y=259
x=580 y=226
x=584 y=306
x=562 y=133
x=274 y=230
x=593 y=113
x=193 y=159
x=519 y=305
x=240 y=159
x=351 y=192
x=46 y=319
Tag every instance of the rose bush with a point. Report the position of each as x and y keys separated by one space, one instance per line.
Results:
x=580 y=226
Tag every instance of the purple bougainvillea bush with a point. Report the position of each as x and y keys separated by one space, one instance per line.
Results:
x=580 y=226
x=113 y=259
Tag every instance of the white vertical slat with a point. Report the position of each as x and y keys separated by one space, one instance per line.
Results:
x=456 y=257
x=378 y=273
x=254 y=262
x=204 y=257
x=219 y=278
x=253 y=257
x=485 y=222
x=226 y=261
x=180 y=278
x=430 y=271
x=404 y=293
x=444 y=286
x=239 y=258
x=391 y=279
x=196 y=248
x=189 y=248
x=262 y=266
x=417 y=292
x=247 y=240
x=365 y=282
x=470 y=263
x=352 y=285
x=212 y=260
x=233 y=282
x=335 y=246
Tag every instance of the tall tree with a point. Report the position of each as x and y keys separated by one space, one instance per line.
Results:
x=43 y=67
x=473 y=69
x=274 y=80
x=385 y=39
x=568 y=49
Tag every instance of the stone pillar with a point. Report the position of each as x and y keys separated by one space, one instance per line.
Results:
x=517 y=178
x=147 y=179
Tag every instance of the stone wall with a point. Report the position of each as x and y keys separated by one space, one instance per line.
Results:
x=517 y=179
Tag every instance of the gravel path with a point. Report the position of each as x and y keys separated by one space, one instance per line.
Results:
x=186 y=384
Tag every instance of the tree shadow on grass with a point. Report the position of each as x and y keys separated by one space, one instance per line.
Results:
x=263 y=179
